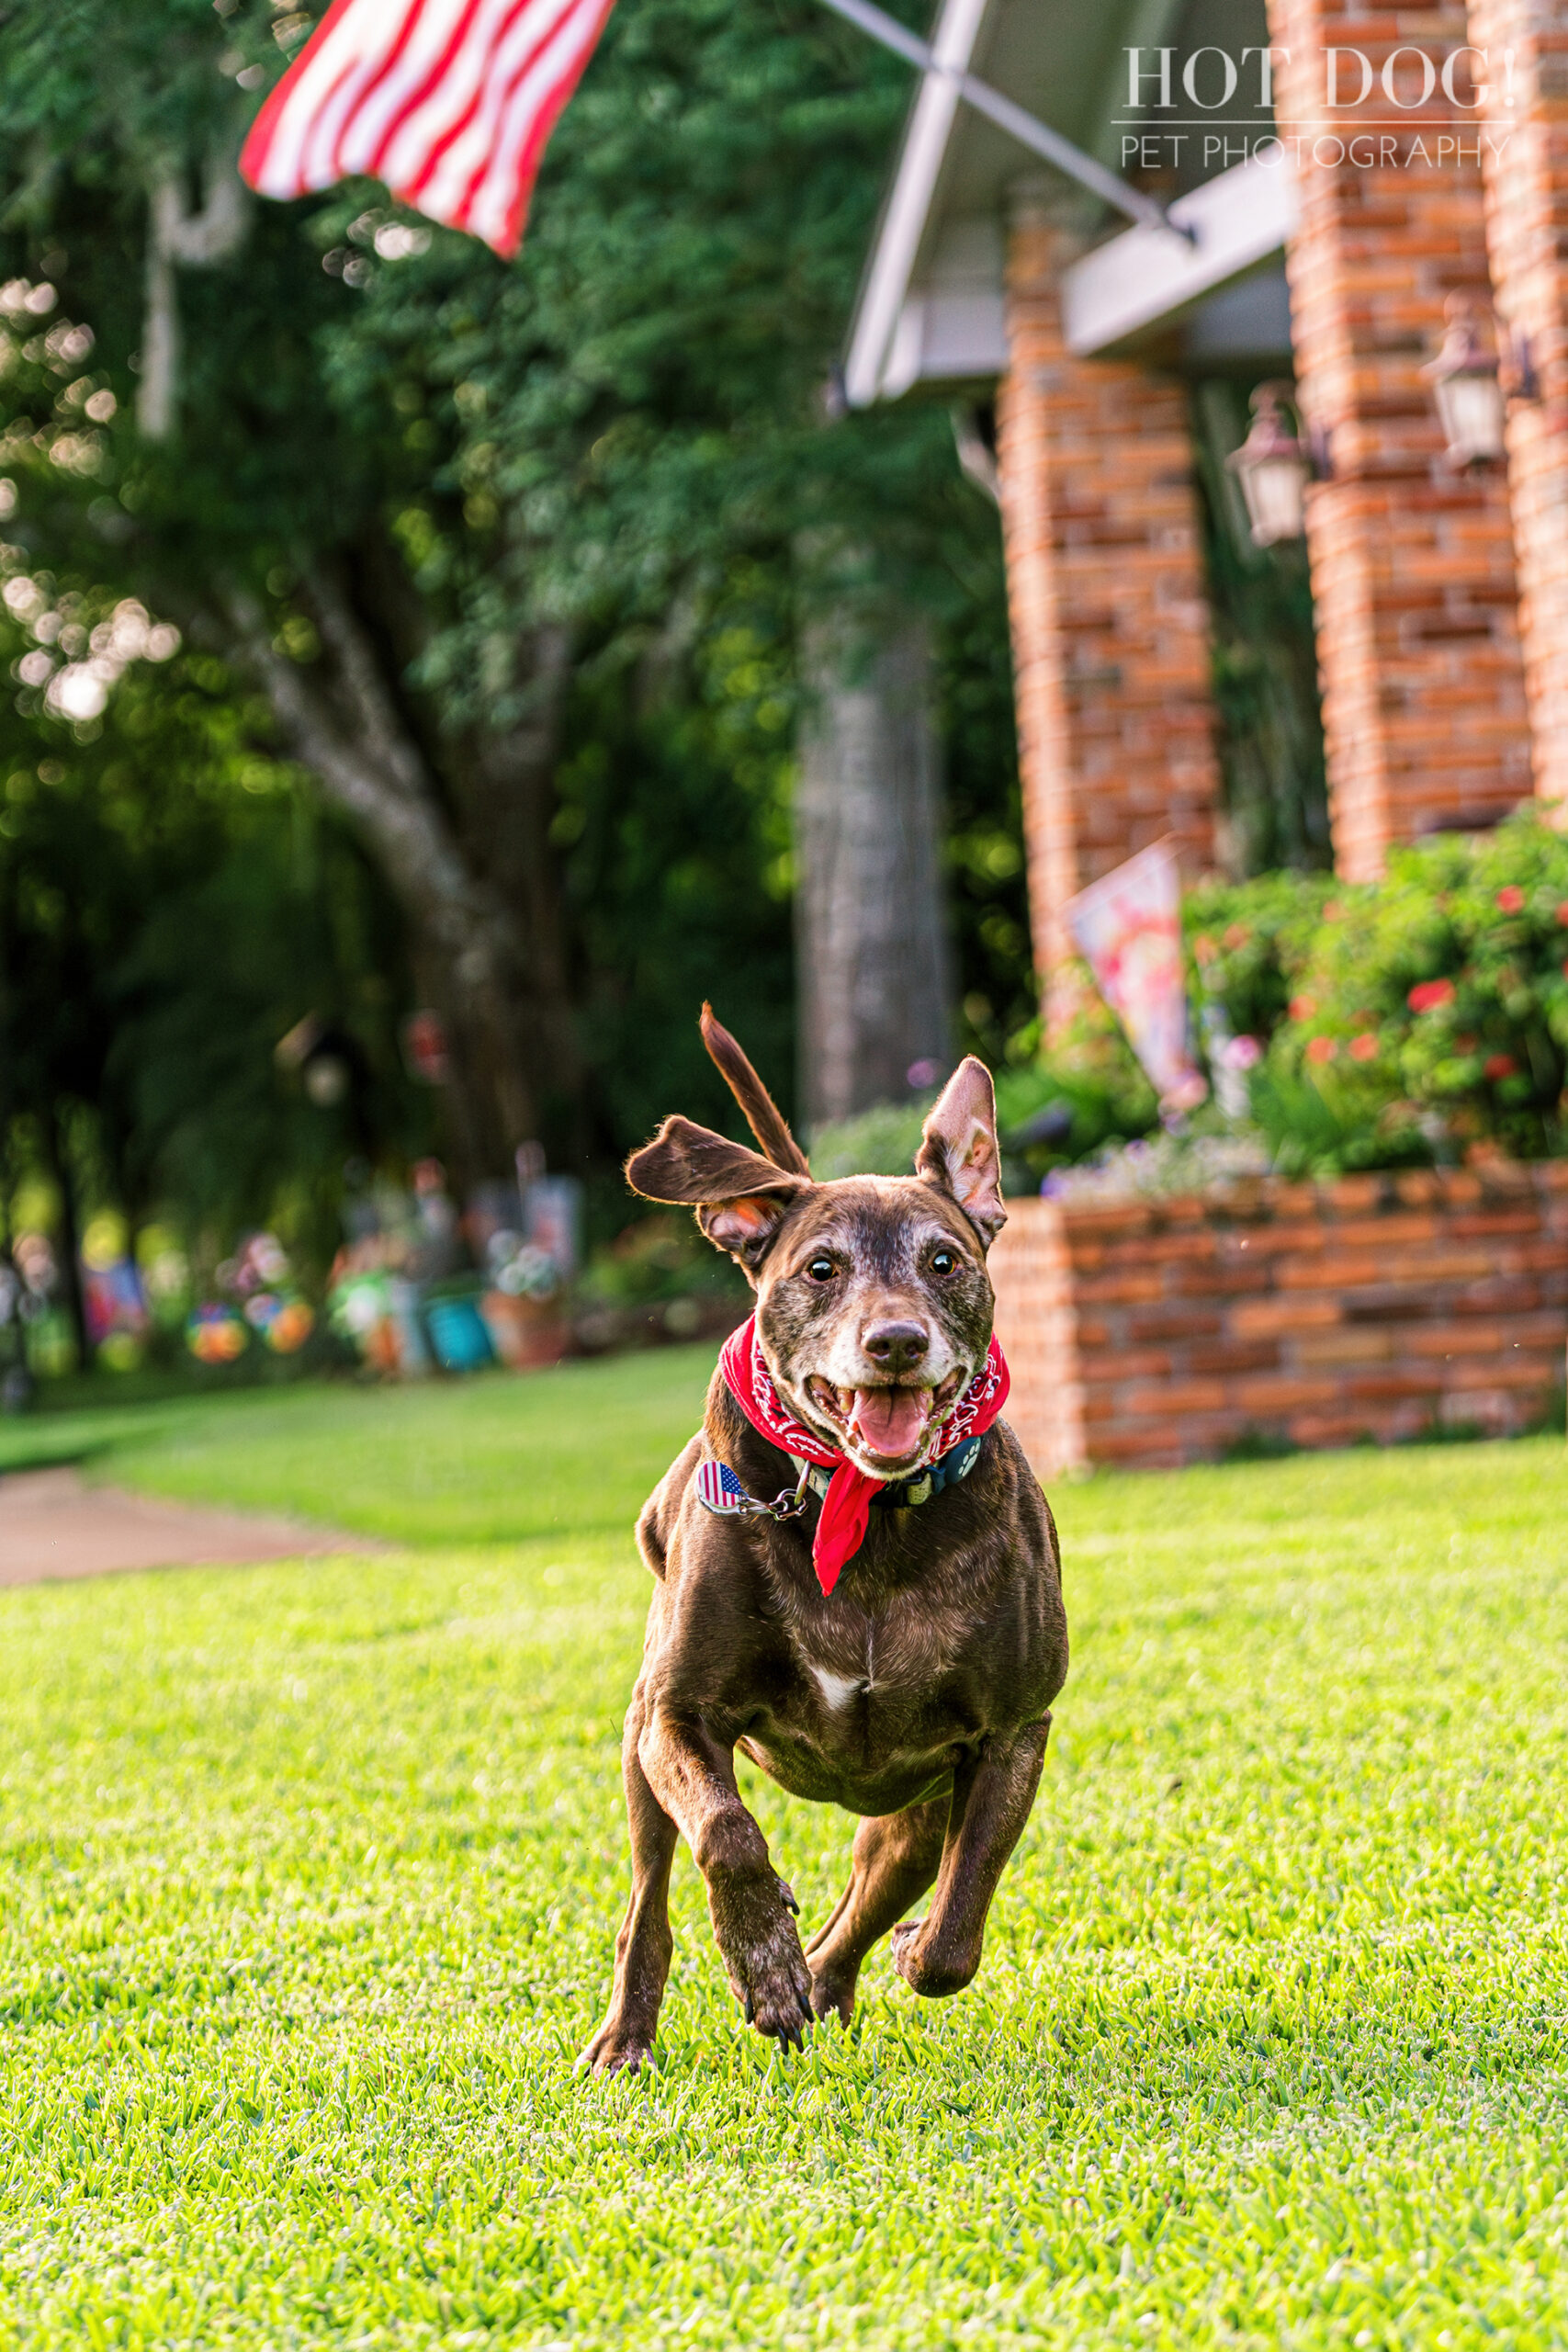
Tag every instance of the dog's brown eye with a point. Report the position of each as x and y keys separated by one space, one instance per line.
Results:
x=821 y=1270
x=942 y=1262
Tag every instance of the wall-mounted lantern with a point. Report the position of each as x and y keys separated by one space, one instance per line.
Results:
x=1273 y=465
x=1466 y=378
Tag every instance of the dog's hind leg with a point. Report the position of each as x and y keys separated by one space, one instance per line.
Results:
x=897 y=1855
x=993 y=1791
x=643 y=1945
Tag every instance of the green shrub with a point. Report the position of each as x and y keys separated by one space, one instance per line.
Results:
x=879 y=1142
x=1088 y=1086
x=658 y=1258
x=1249 y=943
x=1085 y=1093
x=1419 y=1019
x=1431 y=1015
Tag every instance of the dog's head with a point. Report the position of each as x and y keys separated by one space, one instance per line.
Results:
x=872 y=1299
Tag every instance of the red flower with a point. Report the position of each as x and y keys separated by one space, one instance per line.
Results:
x=1501 y=1066
x=1364 y=1048
x=1563 y=913
x=1321 y=1049
x=1426 y=995
x=1302 y=1007
x=1511 y=899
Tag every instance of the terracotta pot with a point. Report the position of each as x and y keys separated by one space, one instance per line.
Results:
x=524 y=1332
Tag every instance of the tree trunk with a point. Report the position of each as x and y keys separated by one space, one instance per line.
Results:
x=874 y=960
x=506 y=802
x=345 y=726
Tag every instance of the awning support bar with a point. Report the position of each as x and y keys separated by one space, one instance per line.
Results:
x=1024 y=126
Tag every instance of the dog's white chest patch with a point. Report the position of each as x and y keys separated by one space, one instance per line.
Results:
x=838 y=1690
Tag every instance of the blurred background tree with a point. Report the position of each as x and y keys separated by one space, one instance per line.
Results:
x=492 y=569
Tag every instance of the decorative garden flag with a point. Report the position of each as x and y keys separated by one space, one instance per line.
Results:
x=1128 y=926
x=449 y=102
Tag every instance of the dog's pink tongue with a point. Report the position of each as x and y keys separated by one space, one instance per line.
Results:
x=891 y=1420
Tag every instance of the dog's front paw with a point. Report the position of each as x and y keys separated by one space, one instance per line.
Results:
x=756 y=1935
x=618 y=2048
x=925 y=1967
x=775 y=1990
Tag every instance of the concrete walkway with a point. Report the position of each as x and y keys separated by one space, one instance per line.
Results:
x=52 y=1524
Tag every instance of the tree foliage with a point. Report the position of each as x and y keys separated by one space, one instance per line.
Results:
x=508 y=559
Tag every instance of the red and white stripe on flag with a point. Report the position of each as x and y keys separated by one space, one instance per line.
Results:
x=449 y=102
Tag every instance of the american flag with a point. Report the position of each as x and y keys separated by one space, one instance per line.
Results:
x=448 y=102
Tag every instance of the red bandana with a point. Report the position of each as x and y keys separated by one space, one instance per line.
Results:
x=846 y=1509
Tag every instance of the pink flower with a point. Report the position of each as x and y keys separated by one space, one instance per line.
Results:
x=1511 y=899
x=1242 y=1053
x=1321 y=1049
x=1426 y=995
x=1364 y=1048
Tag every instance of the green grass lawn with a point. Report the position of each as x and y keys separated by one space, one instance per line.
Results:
x=310 y=1878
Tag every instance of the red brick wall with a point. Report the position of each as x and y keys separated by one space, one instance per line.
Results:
x=1412 y=565
x=1167 y=1331
x=1109 y=620
x=1525 y=161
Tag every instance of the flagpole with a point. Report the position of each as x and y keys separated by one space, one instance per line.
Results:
x=1027 y=128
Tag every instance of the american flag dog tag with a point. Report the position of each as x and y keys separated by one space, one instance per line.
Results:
x=718 y=1490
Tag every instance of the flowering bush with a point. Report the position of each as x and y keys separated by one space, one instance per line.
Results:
x=1429 y=1016
x=1423 y=1018
x=1248 y=944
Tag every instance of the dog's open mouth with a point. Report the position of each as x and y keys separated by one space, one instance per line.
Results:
x=892 y=1424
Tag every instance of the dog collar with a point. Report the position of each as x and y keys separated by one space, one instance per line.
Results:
x=847 y=1493
x=903 y=1494
x=720 y=1491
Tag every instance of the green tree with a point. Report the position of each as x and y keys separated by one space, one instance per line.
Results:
x=169 y=906
x=449 y=515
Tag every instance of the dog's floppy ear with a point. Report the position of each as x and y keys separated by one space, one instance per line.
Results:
x=740 y=1198
x=958 y=1148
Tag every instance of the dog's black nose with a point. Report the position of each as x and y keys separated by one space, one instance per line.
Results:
x=899 y=1346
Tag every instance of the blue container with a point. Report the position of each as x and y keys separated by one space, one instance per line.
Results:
x=457 y=1334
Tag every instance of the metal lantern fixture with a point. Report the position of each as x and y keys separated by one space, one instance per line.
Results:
x=1467 y=386
x=1273 y=466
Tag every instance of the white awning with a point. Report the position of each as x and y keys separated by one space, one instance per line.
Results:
x=1142 y=280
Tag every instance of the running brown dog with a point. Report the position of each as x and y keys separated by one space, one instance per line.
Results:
x=915 y=1690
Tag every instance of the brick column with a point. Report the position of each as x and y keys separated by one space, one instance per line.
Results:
x=1109 y=622
x=1525 y=164
x=1412 y=565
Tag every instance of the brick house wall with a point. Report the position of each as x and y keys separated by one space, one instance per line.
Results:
x=1384 y=1306
x=1109 y=614
x=1412 y=565
x=1525 y=162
